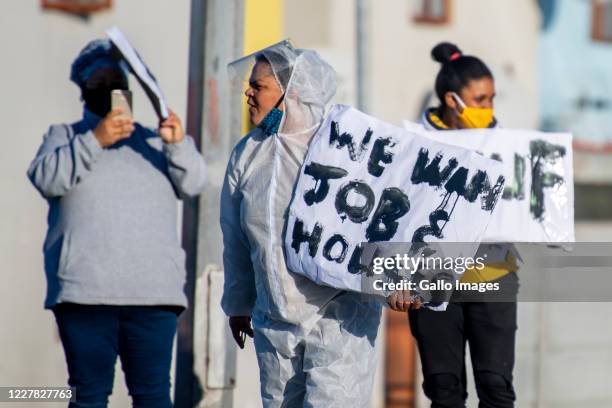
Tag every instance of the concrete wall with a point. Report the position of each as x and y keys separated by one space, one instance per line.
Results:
x=575 y=96
x=38 y=48
x=503 y=33
x=328 y=27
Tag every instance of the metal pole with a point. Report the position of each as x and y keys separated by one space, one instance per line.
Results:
x=214 y=362
x=362 y=54
x=206 y=354
x=185 y=384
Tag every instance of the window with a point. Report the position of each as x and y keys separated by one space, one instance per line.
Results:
x=77 y=6
x=602 y=20
x=432 y=11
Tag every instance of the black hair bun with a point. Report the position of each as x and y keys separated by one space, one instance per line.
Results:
x=443 y=52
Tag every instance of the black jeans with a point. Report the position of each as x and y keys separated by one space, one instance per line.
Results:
x=93 y=336
x=490 y=330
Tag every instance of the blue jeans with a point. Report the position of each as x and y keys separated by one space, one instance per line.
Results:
x=94 y=335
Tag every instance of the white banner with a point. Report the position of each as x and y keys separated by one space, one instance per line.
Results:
x=538 y=200
x=364 y=180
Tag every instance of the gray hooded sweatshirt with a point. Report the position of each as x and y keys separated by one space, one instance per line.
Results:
x=112 y=232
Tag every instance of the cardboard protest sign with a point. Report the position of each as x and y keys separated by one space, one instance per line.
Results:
x=537 y=204
x=141 y=71
x=364 y=180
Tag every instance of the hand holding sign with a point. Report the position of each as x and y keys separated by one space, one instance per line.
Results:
x=171 y=129
x=402 y=301
x=113 y=128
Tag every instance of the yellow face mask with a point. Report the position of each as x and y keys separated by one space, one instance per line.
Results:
x=474 y=118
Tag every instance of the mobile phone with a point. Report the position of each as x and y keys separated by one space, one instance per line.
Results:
x=121 y=98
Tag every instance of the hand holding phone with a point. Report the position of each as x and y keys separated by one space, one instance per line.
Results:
x=122 y=99
x=113 y=128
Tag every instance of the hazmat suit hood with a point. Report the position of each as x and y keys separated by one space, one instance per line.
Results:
x=308 y=84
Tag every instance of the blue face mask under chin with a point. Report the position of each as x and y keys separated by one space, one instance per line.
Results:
x=270 y=124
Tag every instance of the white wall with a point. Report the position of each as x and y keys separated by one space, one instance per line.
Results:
x=38 y=48
x=503 y=33
x=575 y=350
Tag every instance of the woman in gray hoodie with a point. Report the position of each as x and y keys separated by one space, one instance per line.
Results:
x=114 y=265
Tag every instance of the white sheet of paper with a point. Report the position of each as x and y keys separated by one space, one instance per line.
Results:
x=139 y=68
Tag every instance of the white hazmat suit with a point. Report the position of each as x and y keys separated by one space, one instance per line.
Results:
x=315 y=344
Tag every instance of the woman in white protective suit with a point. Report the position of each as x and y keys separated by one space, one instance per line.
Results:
x=315 y=344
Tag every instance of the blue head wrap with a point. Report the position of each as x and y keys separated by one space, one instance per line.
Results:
x=95 y=55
